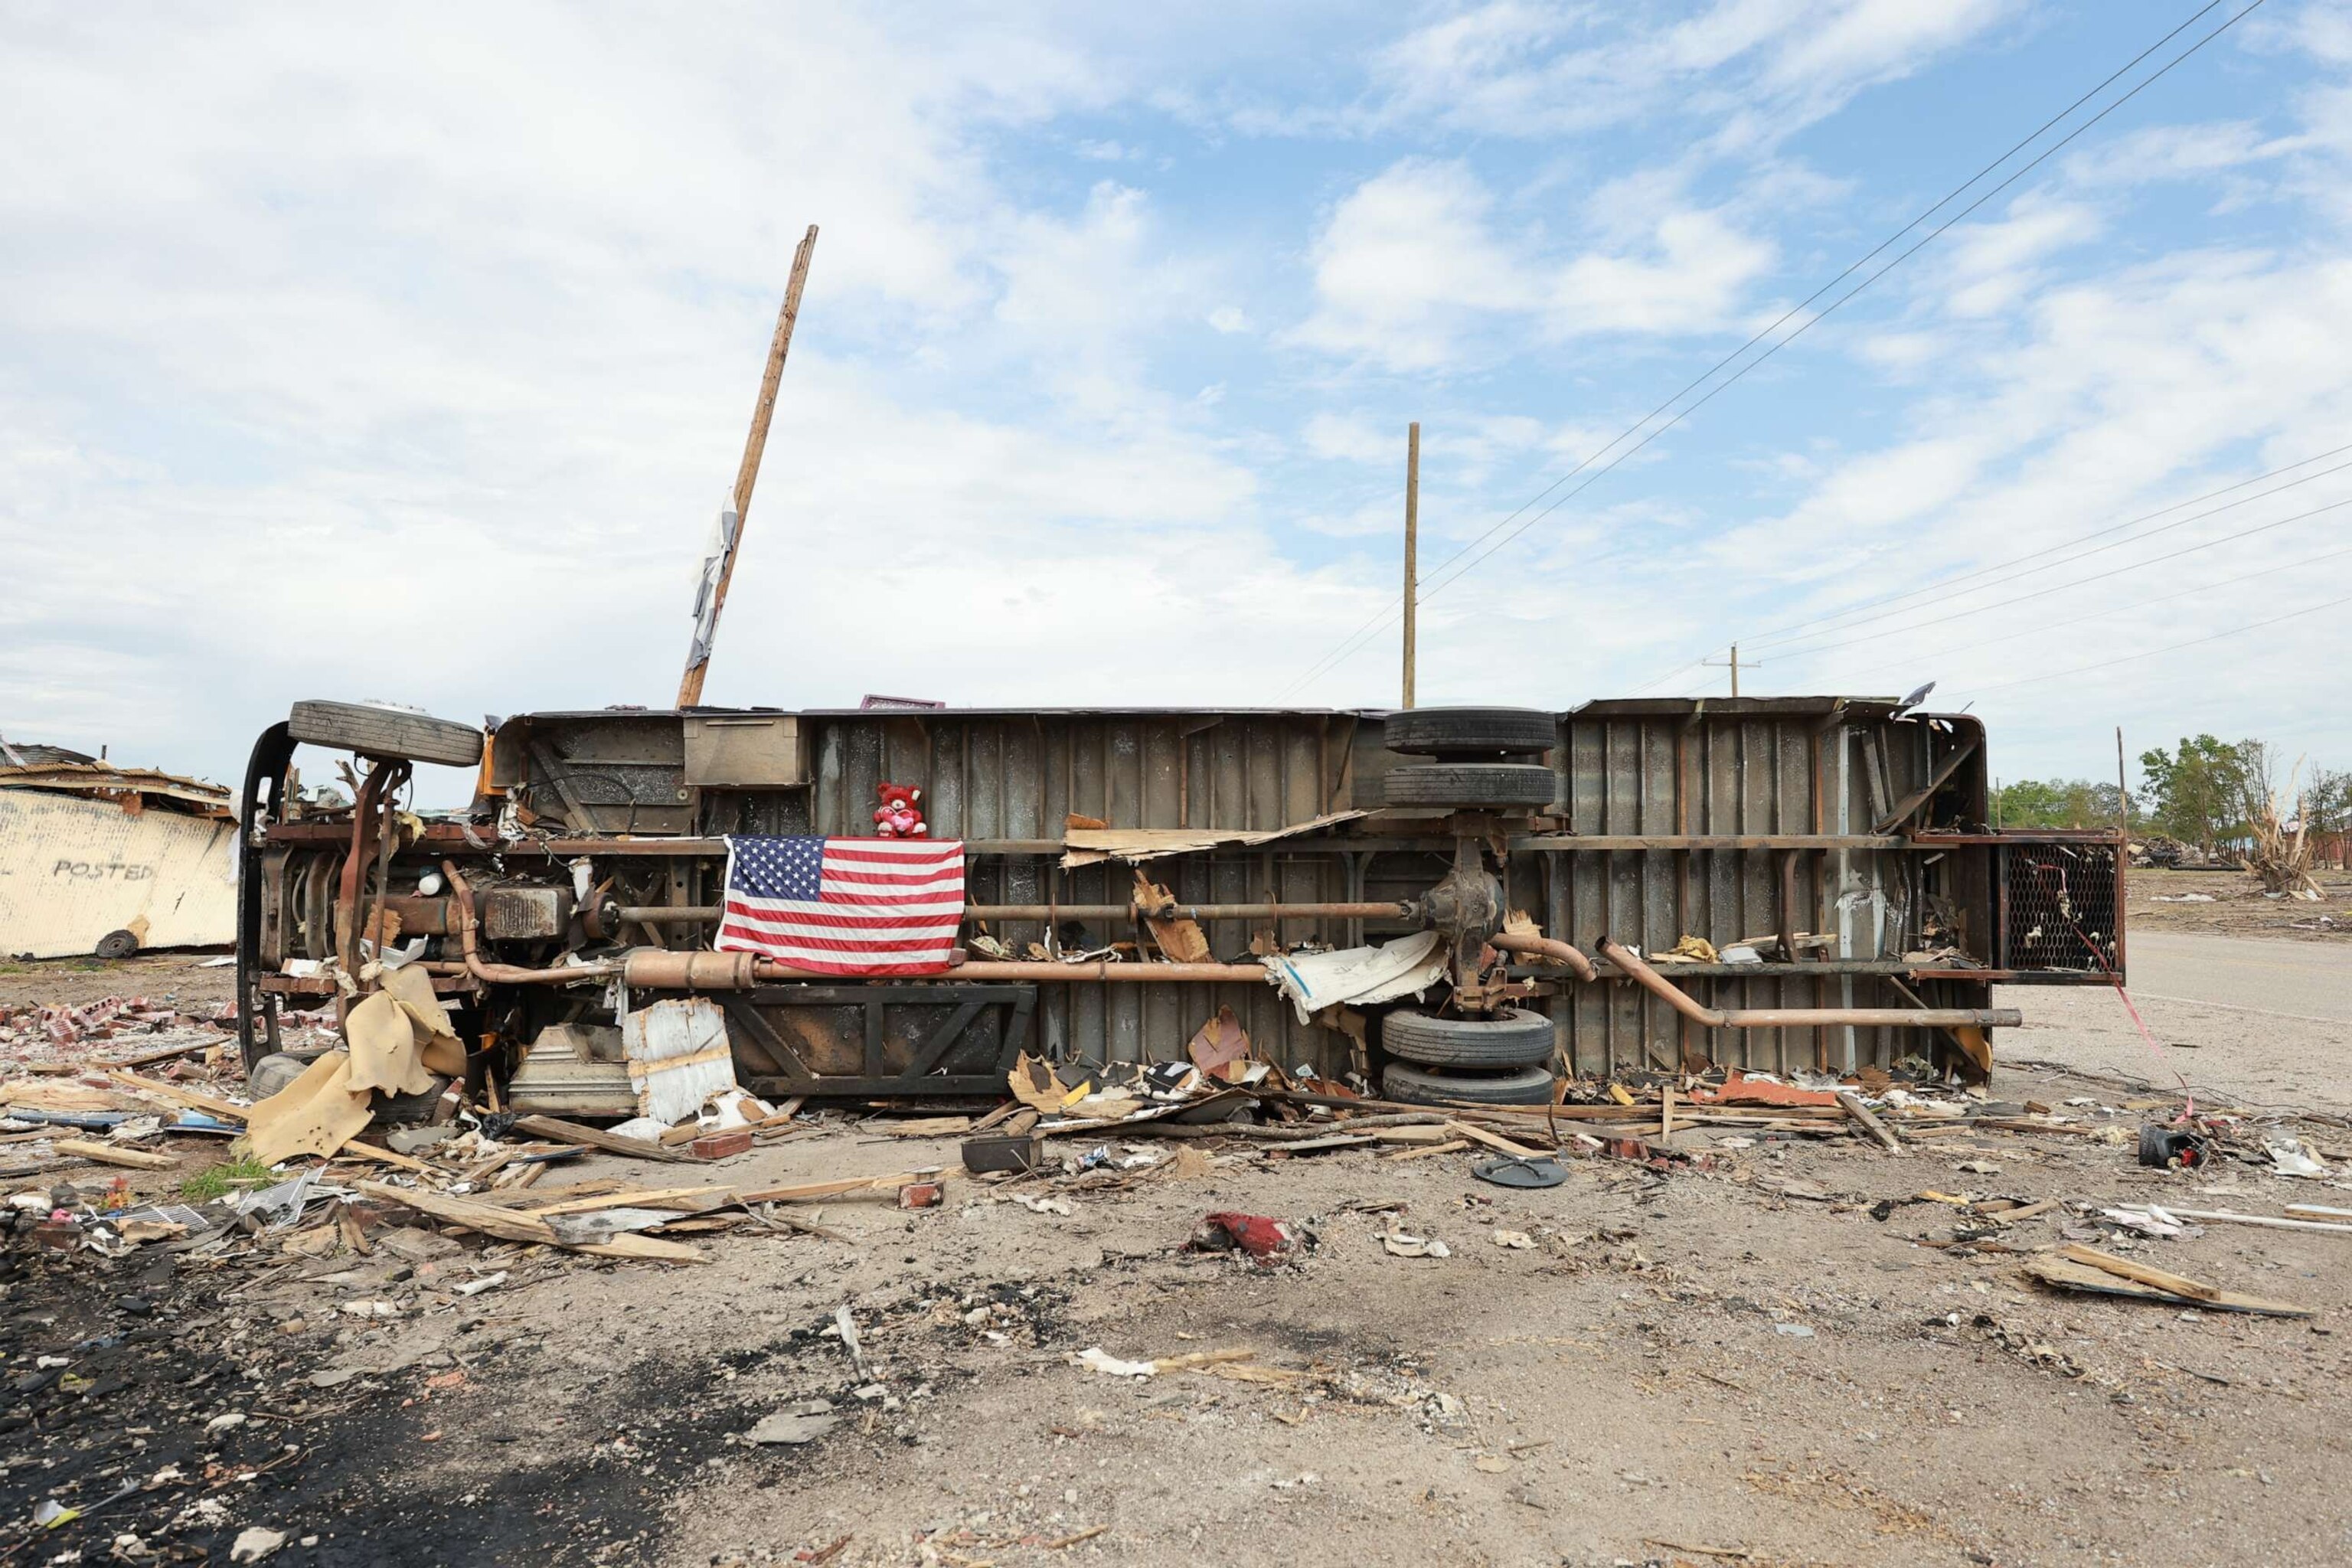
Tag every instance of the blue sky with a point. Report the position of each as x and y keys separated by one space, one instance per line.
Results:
x=352 y=354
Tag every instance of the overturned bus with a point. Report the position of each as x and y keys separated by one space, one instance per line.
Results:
x=1461 y=904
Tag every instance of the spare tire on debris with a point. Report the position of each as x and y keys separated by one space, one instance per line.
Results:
x=1472 y=732
x=1420 y=1086
x=393 y=733
x=1514 y=1038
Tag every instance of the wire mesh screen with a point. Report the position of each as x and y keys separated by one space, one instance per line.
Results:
x=2059 y=905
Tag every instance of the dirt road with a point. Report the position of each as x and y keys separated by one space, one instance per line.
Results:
x=2263 y=1022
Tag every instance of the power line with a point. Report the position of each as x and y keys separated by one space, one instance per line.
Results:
x=2061 y=587
x=1351 y=644
x=2128 y=609
x=2038 y=160
x=2169 y=647
x=1783 y=634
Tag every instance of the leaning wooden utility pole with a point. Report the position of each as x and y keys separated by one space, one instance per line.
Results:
x=1412 y=547
x=711 y=597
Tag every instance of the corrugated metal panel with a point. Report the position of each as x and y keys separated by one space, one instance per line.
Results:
x=74 y=869
x=1788 y=767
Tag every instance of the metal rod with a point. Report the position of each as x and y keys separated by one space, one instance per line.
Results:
x=709 y=914
x=1100 y=969
x=1682 y=1002
x=689 y=687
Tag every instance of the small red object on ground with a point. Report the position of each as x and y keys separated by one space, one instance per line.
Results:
x=719 y=1145
x=1254 y=1234
x=922 y=1195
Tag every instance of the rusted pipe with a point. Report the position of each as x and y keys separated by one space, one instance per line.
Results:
x=710 y=914
x=659 y=969
x=1682 y=1002
x=1545 y=947
x=1658 y=985
x=462 y=896
x=1100 y=969
x=656 y=969
x=1345 y=911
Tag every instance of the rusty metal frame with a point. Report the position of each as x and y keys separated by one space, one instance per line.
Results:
x=743 y=1012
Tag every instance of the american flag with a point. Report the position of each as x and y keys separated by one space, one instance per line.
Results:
x=845 y=906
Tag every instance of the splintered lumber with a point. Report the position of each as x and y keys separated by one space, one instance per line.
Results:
x=2065 y=1275
x=564 y=1132
x=178 y=1096
x=358 y=1150
x=1494 y=1140
x=505 y=1224
x=113 y=1155
x=653 y=1198
x=2127 y=1268
x=2222 y=1216
x=809 y=1192
x=1450 y=1147
x=1869 y=1123
x=643 y=1248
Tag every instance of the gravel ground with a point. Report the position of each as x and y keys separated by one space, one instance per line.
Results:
x=1733 y=1357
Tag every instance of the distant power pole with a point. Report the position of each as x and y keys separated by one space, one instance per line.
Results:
x=1719 y=664
x=1412 y=547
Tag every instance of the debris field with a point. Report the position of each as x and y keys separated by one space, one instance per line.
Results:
x=1739 y=1326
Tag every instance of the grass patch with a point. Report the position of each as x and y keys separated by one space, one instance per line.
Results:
x=219 y=1180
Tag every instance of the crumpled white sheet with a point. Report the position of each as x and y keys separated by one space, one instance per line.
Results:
x=1359 y=975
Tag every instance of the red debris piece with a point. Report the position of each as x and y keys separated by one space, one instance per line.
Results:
x=1739 y=1088
x=719 y=1145
x=1254 y=1234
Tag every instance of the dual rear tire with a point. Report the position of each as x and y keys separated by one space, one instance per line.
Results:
x=1502 y=1060
x=1487 y=759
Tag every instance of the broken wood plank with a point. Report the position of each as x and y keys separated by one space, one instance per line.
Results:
x=1494 y=1140
x=806 y=1191
x=184 y=1096
x=148 y=1059
x=651 y=1198
x=1869 y=1123
x=1450 y=1147
x=113 y=1155
x=2062 y=1275
x=2222 y=1216
x=564 y=1132
x=2127 y=1268
x=643 y=1248
x=488 y=1219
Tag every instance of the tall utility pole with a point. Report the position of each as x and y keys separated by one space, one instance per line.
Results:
x=719 y=571
x=1412 y=548
x=1719 y=664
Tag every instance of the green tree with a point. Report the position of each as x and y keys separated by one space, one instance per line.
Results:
x=2327 y=801
x=2198 y=793
x=2056 y=803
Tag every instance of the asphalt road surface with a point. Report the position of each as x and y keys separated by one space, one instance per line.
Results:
x=2259 y=1022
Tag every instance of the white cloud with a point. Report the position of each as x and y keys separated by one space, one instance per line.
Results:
x=1988 y=268
x=1690 y=280
x=1764 y=68
x=1406 y=263
x=1411 y=268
